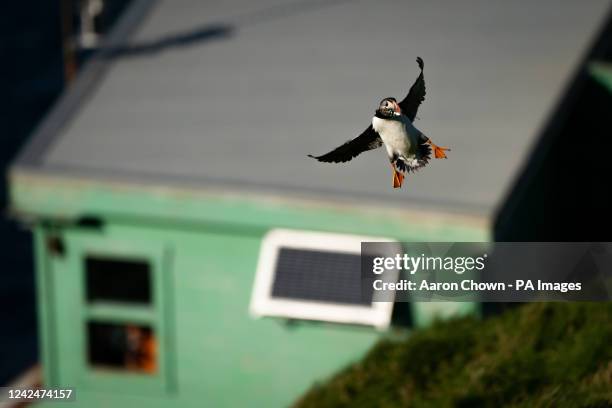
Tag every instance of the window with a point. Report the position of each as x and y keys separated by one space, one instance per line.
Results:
x=116 y=279
x=317 y=276
x=112 y=311
x=127 y=347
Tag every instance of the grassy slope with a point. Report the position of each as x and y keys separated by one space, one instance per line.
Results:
x=541 y=354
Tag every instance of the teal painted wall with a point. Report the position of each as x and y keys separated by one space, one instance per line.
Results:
x=213 y=350
x=203 y=249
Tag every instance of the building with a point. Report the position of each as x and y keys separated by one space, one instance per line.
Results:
x=177 y=152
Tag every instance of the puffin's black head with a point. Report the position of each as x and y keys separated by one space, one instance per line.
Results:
x=388 y=107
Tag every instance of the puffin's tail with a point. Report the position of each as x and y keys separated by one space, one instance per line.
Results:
x=405 y=165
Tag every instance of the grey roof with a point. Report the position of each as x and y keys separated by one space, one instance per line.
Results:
x=235 y=94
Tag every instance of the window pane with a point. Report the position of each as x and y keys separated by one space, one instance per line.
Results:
x=122 y=346
x=123 y=280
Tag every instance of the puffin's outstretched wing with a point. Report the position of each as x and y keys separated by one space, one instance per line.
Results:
x=416 y=95
x=368 y=140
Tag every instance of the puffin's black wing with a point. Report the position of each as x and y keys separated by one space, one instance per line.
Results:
x=416 y=95
x=368 y=140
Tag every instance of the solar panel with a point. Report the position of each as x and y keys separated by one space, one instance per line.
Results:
x=313 y=275
x=321 y=276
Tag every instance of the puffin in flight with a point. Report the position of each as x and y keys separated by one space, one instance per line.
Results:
x=407 y=147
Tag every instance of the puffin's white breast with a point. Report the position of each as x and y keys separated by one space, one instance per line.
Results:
x=393 y=134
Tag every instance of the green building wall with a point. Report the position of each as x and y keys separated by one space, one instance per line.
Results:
x=203 y=250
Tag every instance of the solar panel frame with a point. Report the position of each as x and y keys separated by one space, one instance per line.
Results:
x=301 y=295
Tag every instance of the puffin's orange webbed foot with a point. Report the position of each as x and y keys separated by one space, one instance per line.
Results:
x=398 y=179
x=439 y=152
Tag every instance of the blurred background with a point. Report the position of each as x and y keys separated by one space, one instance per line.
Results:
x=173 y=136
x=34 y=73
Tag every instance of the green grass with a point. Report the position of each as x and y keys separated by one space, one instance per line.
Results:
x=540 y=354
